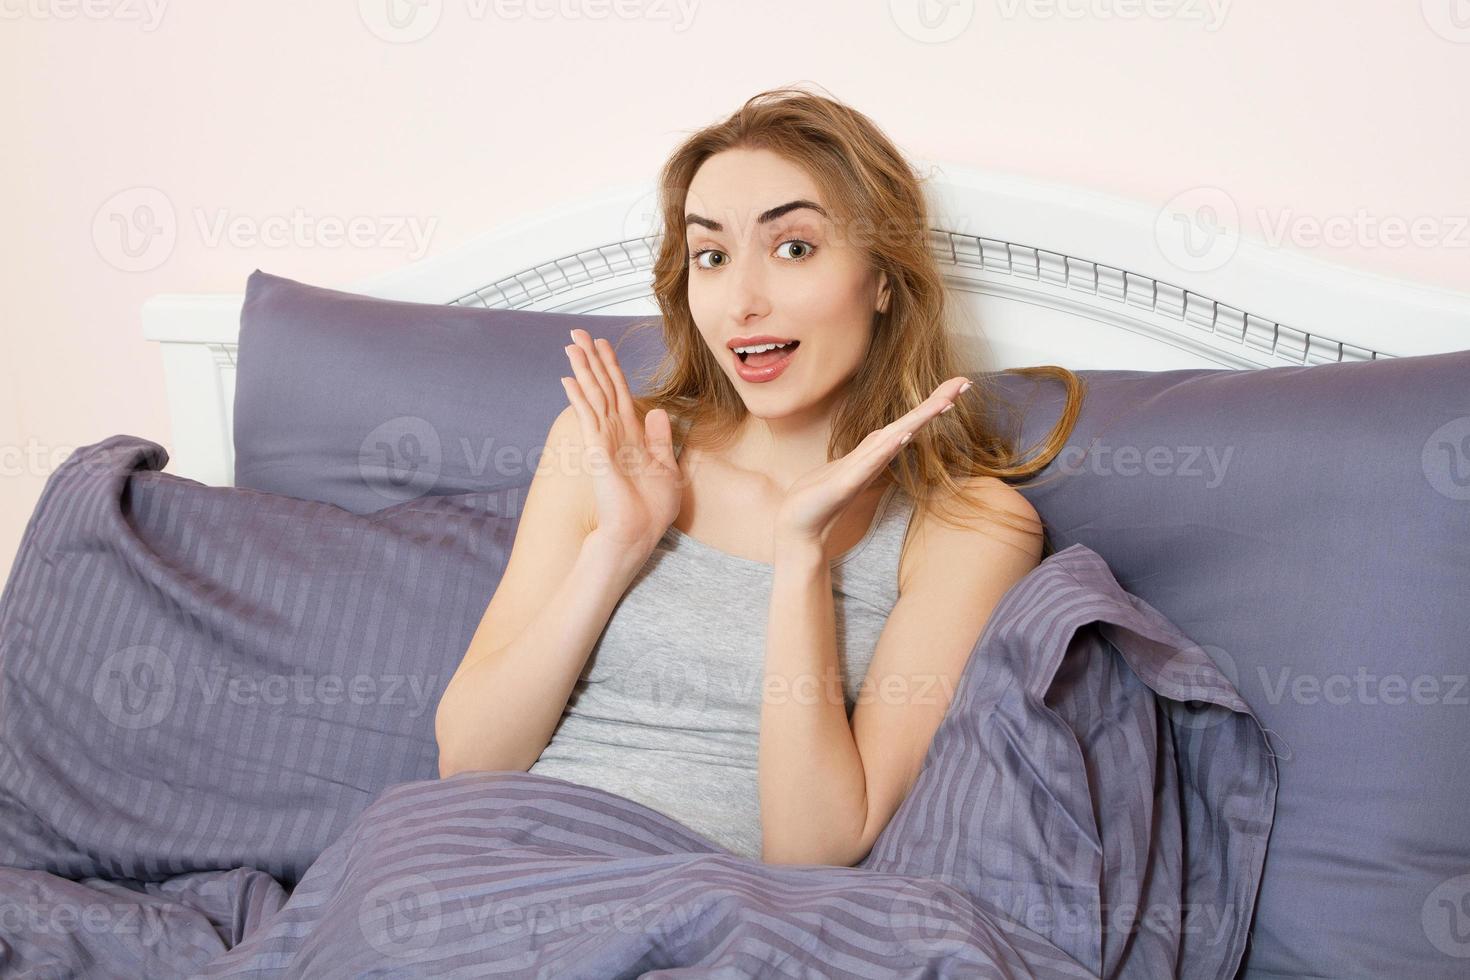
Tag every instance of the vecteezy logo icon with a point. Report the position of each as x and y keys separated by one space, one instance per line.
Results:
x=1446 y=459
x=401 y=459
x=1191 y=671
x=1450 y=19
x=1198 y=230
x=1445 y=916
x=932 y=21
x=400 y=21
x=135 y=230
x=933 y=919
x=673 y=684
x=643 y=220
x=135 y=687
x=401 y=916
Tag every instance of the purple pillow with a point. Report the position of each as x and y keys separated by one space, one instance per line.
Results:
x=200 y=678
x=1310 y=528
x=365 y=403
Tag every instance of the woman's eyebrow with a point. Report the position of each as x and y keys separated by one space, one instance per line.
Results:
x=765 y=216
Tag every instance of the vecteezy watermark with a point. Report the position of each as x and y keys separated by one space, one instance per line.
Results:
x=137 y=229
x=1364 y=687
x=401 y=916
x=1212 y=921
x=688 y=683
x=407 y=913
x=407 y=21
x=1187 y=462
x=932 y=919
x=400 y=21
x=135 y=687
x=1364 y=230
x=405 y=457
x=1208 y=13
x=1198 y=230
x=226 y=682
x=643 y=219
x=1446 y=459
x=678 y=14
x=33 y=459
x=1445 y=916
x=407 y=233
x=811 y=688
x=1193 y=672
x=66 y=919
x=402 y=458
x=148 y=14
x=652 y=678
x=138 y=686
x=1450 y=19
x=932 y=21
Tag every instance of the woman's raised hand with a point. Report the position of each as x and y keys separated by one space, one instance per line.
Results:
x=812 y=504
x=635 y=475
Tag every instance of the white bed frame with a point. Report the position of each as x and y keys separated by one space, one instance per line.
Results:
x=1043 y=274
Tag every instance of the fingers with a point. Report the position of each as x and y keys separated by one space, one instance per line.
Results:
x=620 y=384
x=659 y=435
x=882 y=443
x=585 y=415
x=940 y=401
x=609 y=387
x=592 y=389
x=597 y=368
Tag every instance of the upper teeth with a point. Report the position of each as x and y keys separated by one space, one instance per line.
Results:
x=760 y=347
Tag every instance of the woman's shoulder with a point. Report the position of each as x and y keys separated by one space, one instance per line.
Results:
x=989 y=491
x=995 y=492
x=989 y=510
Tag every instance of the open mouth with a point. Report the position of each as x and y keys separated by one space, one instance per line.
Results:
x=767 y=357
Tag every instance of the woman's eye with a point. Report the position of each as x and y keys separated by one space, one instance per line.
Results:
x=806 y=248
x=701 y=254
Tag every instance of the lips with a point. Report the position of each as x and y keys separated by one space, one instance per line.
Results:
x=764 y=338
x=766 y=372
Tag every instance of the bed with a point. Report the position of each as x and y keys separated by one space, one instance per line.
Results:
x=1150 y=767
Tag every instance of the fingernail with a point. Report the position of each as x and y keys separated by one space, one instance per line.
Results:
x=966 y=386
x=572 y=333
x=946 y=408
x=906 y=437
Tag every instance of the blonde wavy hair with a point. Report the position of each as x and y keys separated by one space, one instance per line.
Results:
x=865 y=183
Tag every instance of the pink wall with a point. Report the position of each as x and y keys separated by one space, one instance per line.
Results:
x=1316 y=113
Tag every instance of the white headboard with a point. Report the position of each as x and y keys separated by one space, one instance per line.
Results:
x=1041 y=274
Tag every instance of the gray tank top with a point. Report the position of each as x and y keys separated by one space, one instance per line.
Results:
x=667 y=710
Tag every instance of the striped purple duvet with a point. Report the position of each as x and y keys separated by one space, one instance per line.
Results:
x=1097 y=802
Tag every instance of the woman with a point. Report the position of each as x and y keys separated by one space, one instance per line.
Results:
x=758 y=632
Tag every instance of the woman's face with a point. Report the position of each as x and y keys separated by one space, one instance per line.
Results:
x=793 y=276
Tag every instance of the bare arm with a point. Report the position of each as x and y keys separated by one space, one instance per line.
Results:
x=503 y=704
x=588 y=526
x=829 y=786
